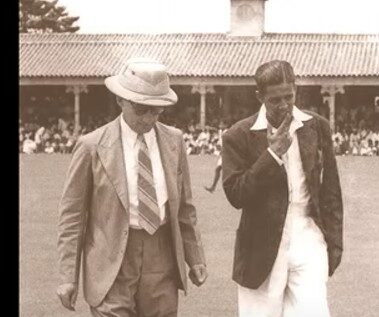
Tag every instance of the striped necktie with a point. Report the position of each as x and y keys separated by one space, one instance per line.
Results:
x=147 y=197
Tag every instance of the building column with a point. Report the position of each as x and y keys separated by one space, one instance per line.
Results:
x=226 y=110
x=329 y=95
x=77 y=90
x=202 y=90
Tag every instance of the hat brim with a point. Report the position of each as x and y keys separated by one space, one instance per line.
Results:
x=168 y=99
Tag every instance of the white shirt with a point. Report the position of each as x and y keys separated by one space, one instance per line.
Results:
x=130 y=150
x=298 y=191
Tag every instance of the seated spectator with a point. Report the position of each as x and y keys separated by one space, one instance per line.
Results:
x=62 y=145
x=28 y=146
x=345 y=143
x=337 y=141
x=49 y=149
x=372 y=149
x=46 y=136
x=203 y=140
x=337 y=145
x=62 y=124
x=189 y=149
x=55 y=146
x=38 y=138
x=191 y=127
x=375 y=150
x=70 y=144
x=375 y=137
x=364 y=148
x=354 y=140
x=57 y=137
x=20 y=141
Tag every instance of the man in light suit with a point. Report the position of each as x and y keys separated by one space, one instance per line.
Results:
x=126 y=210
x=279 y=167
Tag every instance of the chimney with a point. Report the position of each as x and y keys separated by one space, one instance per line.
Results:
x=247 y=17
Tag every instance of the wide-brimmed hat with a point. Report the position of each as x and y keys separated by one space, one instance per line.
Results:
x=144 y=81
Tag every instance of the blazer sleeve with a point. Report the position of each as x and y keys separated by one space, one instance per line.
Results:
x=244 y=178
x=193 y=248
x=331 y=208
x=72 y=213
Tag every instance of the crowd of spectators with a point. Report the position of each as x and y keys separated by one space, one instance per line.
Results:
x=355 y=135
x=358 y=141
x=198 y=141
x=357 y=132
x=57 y=135
x=53 y=135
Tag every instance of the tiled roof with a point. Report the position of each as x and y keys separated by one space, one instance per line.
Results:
x=213 y=54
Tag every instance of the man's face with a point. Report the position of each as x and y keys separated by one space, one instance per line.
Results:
x=279 y=100
x=140 y=118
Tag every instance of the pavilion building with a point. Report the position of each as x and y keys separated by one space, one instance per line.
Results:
x=212 y=73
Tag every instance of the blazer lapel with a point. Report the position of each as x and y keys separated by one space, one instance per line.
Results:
x=260 y=141
x=111 y=156
x=169 y=156
x=307 y=138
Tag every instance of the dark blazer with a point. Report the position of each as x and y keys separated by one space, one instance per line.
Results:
x=255 y=182
x=93 y=225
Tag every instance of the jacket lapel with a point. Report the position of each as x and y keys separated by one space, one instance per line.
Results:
x=307 y=138
x=169 y=156
x=260 y=141
x=111 y=156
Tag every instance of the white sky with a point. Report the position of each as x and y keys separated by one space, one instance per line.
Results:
x=182 y=16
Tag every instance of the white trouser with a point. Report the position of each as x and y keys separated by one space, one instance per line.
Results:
x=296 y=286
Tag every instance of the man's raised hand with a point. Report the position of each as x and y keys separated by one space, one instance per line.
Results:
x=280 y=141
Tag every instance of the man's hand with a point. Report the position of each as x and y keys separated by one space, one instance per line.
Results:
x=68 y=293
x=198 y=274
x=280 y=141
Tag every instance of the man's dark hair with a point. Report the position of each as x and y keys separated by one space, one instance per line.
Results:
x=275 y=72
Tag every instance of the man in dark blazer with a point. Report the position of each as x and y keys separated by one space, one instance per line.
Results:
x=280 y=169
x=126 y=210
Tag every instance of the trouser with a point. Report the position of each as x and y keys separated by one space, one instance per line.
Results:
x=146 y=284
x=296 y=286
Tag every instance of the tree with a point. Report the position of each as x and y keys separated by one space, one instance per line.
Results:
x=42 y=16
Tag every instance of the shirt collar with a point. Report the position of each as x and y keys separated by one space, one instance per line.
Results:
x=131 y=136
x=297 y=122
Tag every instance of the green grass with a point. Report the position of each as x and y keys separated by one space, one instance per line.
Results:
x=353 y=290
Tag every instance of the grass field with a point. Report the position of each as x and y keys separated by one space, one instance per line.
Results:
x=353 y=290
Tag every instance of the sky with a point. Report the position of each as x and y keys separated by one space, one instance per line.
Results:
x=193 y=16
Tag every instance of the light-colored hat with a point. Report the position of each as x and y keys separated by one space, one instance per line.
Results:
x=143 y=81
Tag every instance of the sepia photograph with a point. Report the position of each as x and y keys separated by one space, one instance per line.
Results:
x=204 y=158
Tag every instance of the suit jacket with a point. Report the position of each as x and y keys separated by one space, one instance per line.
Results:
x=255 y=182
x=94 y=209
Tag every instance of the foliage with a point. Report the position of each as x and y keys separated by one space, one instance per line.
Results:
x=41 y=16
